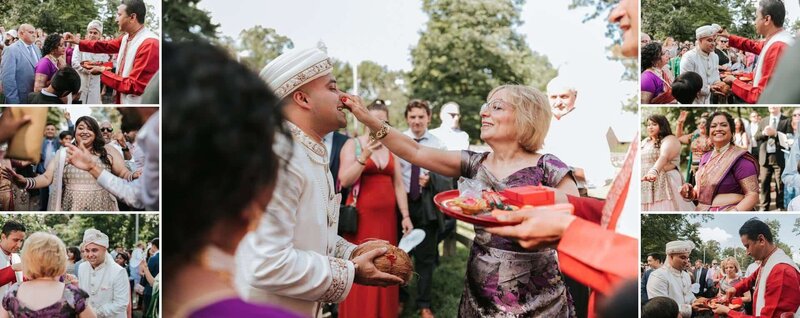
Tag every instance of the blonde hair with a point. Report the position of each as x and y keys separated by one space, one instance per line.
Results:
x=725 y=262
x=44 y=255
x=531 y=112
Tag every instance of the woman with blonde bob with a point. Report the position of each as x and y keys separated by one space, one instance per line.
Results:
x=43 y=294
x=502 y=278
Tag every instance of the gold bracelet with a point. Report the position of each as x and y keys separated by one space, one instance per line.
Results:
x=380 y=134
x=363 y=163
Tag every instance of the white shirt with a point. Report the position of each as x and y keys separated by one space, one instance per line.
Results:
x=427 y=140
x=5 y=261
x=107 y=286
x=579 y=140
x=327 y=140
x=295 y=259
x=452 y=138
x=669 y=282
x=704 y=64
x=751 y=269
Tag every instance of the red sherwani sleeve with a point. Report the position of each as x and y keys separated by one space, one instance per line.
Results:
x=747 y=91
x=145 y=65
x=7 y=275
x=782 y=293
x=108 y=47
x=597 y=257
x=589 y=209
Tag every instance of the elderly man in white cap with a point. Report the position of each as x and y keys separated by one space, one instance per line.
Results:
x=103 y=279
x=449 y=132
x=90 y=83
x=703 y=61
x=295 y=259
x=672 y=280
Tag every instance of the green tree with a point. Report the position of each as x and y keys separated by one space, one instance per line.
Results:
x=259 y=45
x=120 y=228
x=659 y=229
x=712 y=250
x=108 y=16
x=795 y=27
x=469 y=47
x=52 y=16
x=743 y=18
x=106 y=113
x=183 y=21
x=679 y=18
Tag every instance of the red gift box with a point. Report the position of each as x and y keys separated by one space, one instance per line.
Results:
x=530 y=195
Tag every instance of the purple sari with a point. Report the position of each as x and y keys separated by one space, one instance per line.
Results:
x=734 y=171
x=504 y=279
x=235 y=307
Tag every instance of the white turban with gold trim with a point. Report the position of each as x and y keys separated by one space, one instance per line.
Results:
x=96 y=237
x=679 y=247
x=295 y=68
x=706 y=31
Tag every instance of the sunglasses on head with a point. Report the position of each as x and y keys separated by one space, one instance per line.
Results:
x=106 y=129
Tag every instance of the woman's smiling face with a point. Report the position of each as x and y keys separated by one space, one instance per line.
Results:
x=84 y=134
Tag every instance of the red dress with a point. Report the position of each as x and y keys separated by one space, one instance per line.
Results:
x=376 y=220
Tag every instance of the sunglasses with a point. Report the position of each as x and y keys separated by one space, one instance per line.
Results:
x=106 y=129
x=454 y=115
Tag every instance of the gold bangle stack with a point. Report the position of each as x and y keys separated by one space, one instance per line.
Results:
x=380 y=134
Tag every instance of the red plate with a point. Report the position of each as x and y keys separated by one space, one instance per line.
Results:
x=443 y=199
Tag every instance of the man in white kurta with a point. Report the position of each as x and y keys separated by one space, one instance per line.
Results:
x=671 y=280
x=90 y=83
x=295 y=259
x=103 y=279
x=703 y=61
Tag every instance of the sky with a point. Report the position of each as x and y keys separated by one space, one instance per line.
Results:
x=725 y=229
x=384 y=31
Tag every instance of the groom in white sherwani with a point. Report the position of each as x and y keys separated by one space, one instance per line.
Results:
x=295 y=259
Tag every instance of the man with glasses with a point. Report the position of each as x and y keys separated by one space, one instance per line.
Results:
x=701 y=61
x=722 y=53
x=770 y=16
x=18 y=65
x=449 y=132
x=107 y=131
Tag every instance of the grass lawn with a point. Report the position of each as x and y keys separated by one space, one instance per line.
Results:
x=448 y=282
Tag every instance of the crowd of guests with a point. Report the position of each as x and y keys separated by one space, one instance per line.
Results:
x=734 y=164
x=44 y=278
x=716 y=67
x=673 y=287
x=88 y=167
x=42 y=67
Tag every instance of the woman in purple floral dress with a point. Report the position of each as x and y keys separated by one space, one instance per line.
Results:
x=502 y=279
x=45 y=259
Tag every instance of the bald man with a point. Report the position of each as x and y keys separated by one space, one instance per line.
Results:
x=18 y=64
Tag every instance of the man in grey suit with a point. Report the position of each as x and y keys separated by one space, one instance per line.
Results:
x=18 y=64
x=770 y=155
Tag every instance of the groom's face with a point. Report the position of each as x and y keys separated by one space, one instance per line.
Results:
x=95 y=254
